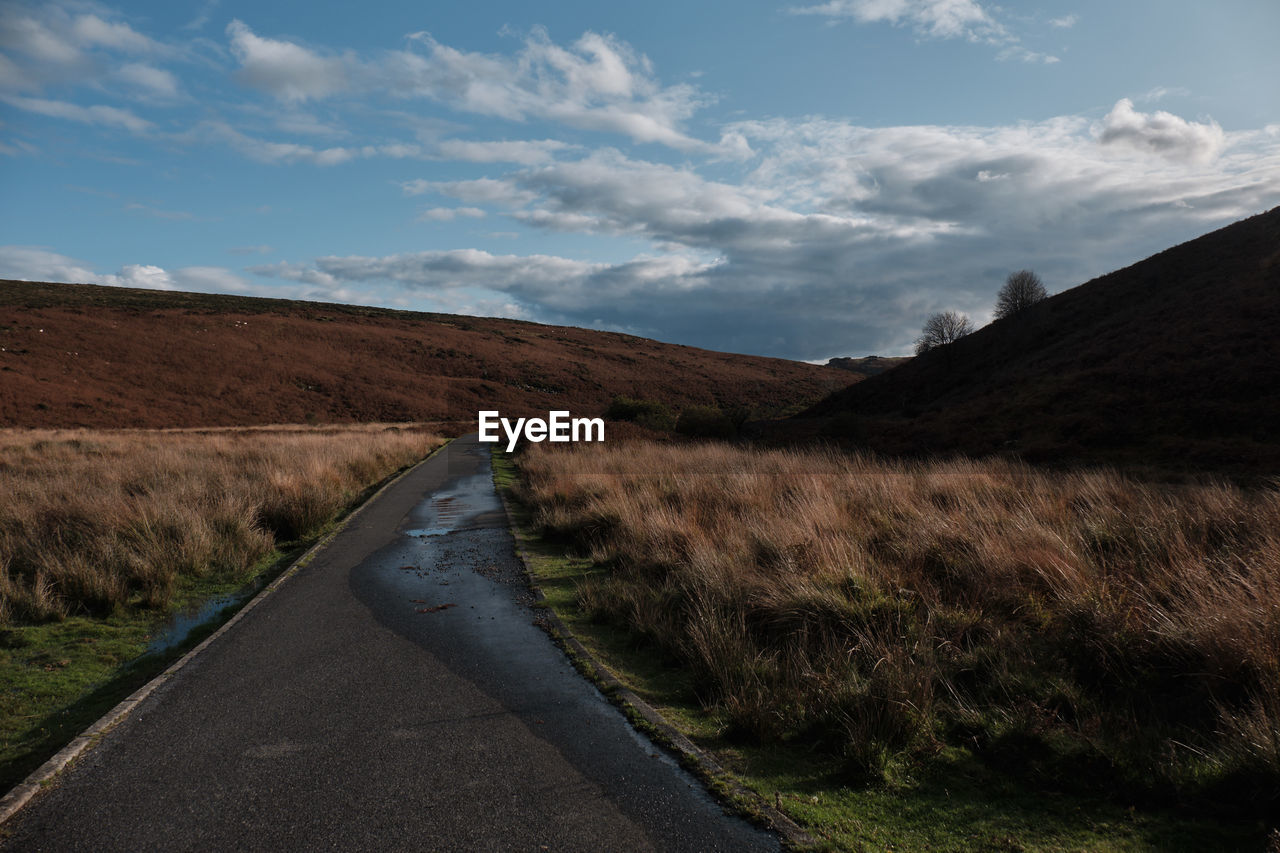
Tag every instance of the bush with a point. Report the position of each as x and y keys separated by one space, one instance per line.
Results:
x=647 y=413
x=705 y=422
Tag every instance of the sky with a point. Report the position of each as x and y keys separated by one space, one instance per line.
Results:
x=799 y=179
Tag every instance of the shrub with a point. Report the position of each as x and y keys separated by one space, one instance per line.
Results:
x=650 y=414
x=705 y=422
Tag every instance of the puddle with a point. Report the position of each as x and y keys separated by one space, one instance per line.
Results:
x=454 y=509
x=181 y=624
x=424 y=532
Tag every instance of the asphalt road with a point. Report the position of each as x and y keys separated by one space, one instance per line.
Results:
x=393 y=695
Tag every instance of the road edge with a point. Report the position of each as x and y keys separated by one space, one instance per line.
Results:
x=43 y=776
x=719 y=782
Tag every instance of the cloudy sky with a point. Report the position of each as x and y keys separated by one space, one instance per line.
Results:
x=803 y=179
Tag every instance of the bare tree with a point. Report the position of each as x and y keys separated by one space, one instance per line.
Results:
x=1021 y=290
x=942 y=329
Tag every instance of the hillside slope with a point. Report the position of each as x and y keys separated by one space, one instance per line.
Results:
x=869 y=365
x=1173 y=361
x=86 y=355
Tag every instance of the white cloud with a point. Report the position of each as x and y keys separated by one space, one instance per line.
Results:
x=607 y=192
x=395 y=150
x=60 y=43
x=1159 y=93
x=16 y=147
x=22 y=33
x=265 y=151
x=447 y=269
x=477 y=191
x=1066 y=22
x=35 y=263
x=198 y=279
x=1022 y=54
x=1051 y=166
x=97 y=114
x=297 y=272
x=447 y=214
x=547 y=282
x=936 y=18
x=297 y=121
x=1164 y=133
x=206 y=12
x=525 y=152
x=13 y=77
x=149 y=79
x=287 y=70
x=51 y=34
x=92 y=31
x=209 y=280
x=599 y=83
x=148 y=276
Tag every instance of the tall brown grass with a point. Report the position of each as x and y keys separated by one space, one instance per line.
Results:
x=1076 y=625
x=91 y=520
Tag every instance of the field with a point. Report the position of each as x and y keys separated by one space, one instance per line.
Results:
x=1076 y=632
x=103 y=533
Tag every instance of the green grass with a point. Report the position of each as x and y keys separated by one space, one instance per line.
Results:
x=60 y=677
x=954 y=803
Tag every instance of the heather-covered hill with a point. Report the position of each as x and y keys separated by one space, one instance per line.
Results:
x=86 y=355
x=870 y=365
x=1174 y=361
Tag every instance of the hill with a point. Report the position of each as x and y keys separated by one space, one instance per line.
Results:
x=867 y=365
x=93 y=356
x=1173 y=361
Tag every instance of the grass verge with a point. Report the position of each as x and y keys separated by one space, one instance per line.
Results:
x=952 y=801
x=63 y=672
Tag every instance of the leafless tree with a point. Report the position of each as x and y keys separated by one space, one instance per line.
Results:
x=942 y=328
x=1021 y=290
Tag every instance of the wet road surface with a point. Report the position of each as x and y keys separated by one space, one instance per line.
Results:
x=393 y=695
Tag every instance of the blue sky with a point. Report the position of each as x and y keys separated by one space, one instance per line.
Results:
x=803 y=180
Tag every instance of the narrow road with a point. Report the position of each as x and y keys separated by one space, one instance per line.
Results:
x=393 y=695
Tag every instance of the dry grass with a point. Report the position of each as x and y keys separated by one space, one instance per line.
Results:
x=91 y=520
x=1075 y=625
